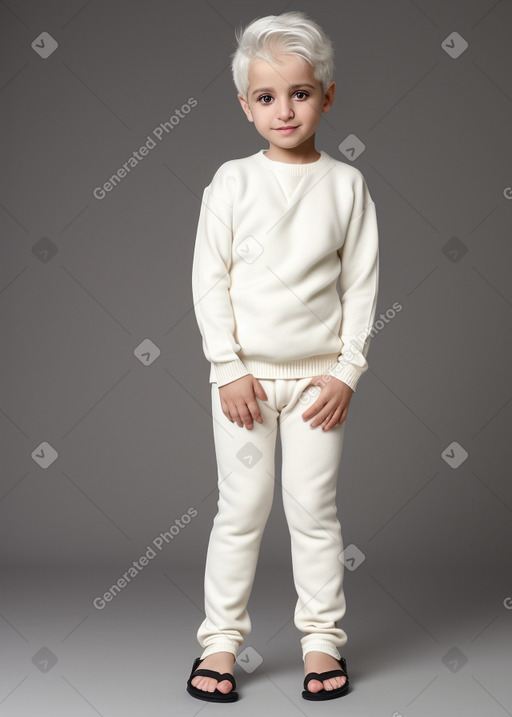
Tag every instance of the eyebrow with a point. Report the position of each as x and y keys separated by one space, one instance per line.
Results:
x=292 y=87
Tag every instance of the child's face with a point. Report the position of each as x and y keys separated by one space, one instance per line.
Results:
x=282 y=95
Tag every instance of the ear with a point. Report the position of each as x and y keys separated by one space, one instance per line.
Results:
x=329 y=97
x=245 y=107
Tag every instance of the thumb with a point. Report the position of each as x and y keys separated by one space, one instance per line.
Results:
x=259 y=391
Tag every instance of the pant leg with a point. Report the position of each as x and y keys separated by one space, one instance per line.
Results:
x=311 y=459
x=246 y=479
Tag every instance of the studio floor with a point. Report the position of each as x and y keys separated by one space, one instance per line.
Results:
x=420 y=643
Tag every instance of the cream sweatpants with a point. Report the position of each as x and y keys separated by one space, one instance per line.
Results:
x=245 y=464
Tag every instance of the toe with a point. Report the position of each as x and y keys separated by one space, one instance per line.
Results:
x=225 y=686
x=206 y=684
x=197 y=682
x=334 y=683
x=315 y=685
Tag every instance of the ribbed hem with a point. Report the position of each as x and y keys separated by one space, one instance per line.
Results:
x=329 y=364
x=291 y=167
x=300 y=368
x=220 y=647
x=224 y=372
x=327 y=647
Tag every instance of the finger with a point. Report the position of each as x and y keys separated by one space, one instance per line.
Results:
x=328 y=423
x=226 y=411
x=255 y=411
x=333 y=421
x=235 y=417
x=343 y=417
x=315 y=409
x=259 y=391
x=322 y=416
x=324 y=411
x=245 y=415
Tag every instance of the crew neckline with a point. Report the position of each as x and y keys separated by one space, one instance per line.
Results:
x=292 y=167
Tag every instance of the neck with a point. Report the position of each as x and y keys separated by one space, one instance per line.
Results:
x=303 y=154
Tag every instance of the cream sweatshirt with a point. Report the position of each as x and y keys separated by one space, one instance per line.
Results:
x=272 y=240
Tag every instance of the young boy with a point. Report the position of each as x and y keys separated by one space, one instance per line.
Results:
x=275 y=231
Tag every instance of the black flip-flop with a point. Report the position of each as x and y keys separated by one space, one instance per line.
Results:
x=216 y=695
x=321 y=676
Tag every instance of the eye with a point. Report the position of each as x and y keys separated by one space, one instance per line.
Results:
x=267 y=99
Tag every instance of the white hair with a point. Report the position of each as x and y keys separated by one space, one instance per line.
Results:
x=292 y=33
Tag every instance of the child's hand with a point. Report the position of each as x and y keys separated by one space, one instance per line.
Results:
x=238 y=400
x=331 y=406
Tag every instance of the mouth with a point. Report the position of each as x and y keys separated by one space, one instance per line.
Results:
x=286 y=130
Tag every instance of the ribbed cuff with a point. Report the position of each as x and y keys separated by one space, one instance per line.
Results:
x=347 y=373
x=220 y=647
x=228 y=371
x=319 y=646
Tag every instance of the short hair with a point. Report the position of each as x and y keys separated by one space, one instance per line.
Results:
x=292 y=33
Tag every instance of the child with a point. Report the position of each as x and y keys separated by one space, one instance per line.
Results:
x=275 y=231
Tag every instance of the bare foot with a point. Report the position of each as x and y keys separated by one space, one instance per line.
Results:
x=222 y=662
x=322 y=662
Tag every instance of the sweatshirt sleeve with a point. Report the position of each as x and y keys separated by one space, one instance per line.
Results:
x=359 y=283
x=210 y=288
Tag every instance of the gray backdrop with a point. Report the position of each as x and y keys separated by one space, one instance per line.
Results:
x=104 y=397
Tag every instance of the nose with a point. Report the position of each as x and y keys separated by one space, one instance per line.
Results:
x=284 y=109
